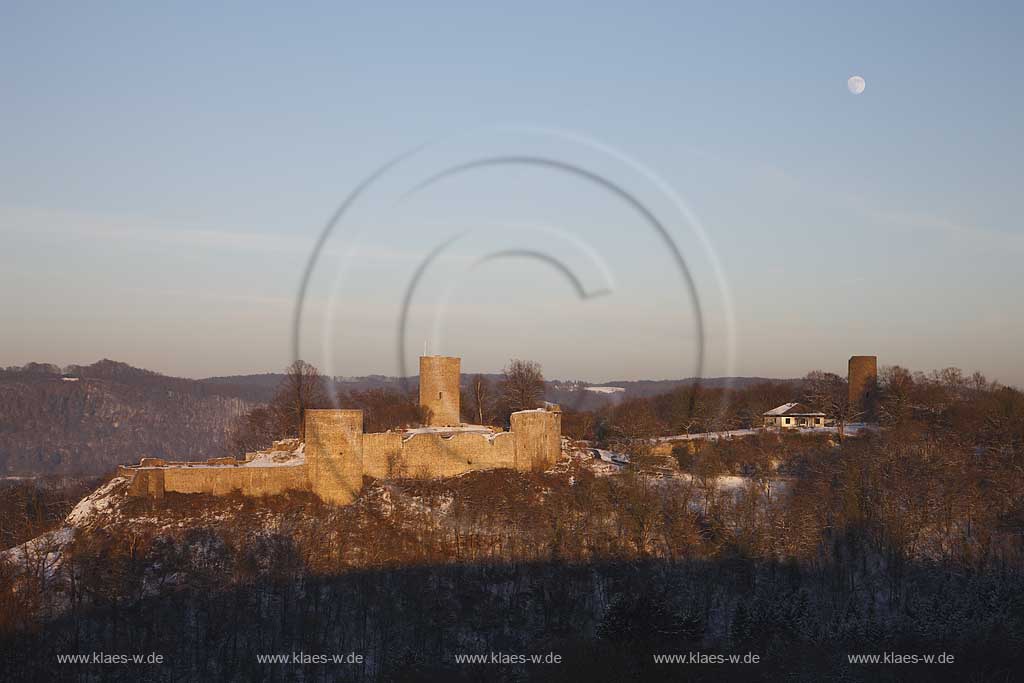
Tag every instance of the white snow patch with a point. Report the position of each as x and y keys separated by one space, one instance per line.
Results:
x=711 y=436
x=43 y=553
x=448 y=431
x=97 y=502
x=610 y=456
x=606 y=390
x=277 y=459
x=852 y=429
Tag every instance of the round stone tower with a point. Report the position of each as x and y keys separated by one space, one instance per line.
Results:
x=863 y=381
x=439 y=389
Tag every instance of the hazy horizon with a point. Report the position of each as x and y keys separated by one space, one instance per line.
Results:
x=548 y=376
x=167 y=173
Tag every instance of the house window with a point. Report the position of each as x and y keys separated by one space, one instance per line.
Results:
x=439 y=396
x=787 y=420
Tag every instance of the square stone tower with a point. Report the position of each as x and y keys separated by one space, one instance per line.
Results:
x=439 y=389
x=334 y=454
x=538 y=439
x=863 y=381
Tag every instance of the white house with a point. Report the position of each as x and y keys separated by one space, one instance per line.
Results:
x=793 y=416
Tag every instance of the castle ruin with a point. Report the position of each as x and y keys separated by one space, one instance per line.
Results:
x=439 y=389
x=862 y=380
x=337 y=454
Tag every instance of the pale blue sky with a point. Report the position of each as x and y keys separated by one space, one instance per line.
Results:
x=165 y=173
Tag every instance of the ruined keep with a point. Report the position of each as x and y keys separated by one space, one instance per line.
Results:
x=862 y=379
x=538 y=434
x=337 y=454
x=334 y=453
x=439 y=389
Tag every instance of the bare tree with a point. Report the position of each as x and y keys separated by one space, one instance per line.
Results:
x=253 y=430
x=578 y=425
x=631 y=429
x=480 y=397
x=302 y=388
x=684 y=409
x=898 y=388
x=522 y=385
x=842 y=413
x=828 y=392
x=385 y=409
x=639 y=507
x=822 y=388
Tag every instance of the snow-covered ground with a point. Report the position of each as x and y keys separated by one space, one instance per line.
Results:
x=711 y=436
x=610 y=456
x=278 y=458
x=481 y=429
x=852 y=429
x=606 y=390
x=45 y=553
x=96 y=503
x=604 y=462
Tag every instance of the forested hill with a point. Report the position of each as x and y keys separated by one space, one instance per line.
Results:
x=86 y=419
x=90 y=418
x=262 y=386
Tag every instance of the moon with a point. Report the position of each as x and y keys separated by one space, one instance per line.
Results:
x=856 y=84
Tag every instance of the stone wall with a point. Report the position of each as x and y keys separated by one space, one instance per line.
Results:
x=154 y=481
x=439 y=389
x=423 y=456
x=538 y=439
x=250 y=481
x=504 y=445
x=338 y=454
x=334 y=454
x=381 y=452
x=145 y=483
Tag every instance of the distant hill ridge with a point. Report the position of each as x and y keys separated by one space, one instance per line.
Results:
x=85 y=419
x=641 y=387
x=260 y=387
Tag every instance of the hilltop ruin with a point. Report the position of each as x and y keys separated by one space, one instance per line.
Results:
x=337 y=453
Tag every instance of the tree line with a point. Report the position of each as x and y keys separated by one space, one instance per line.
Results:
x=908 y=538
x=303 y=388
